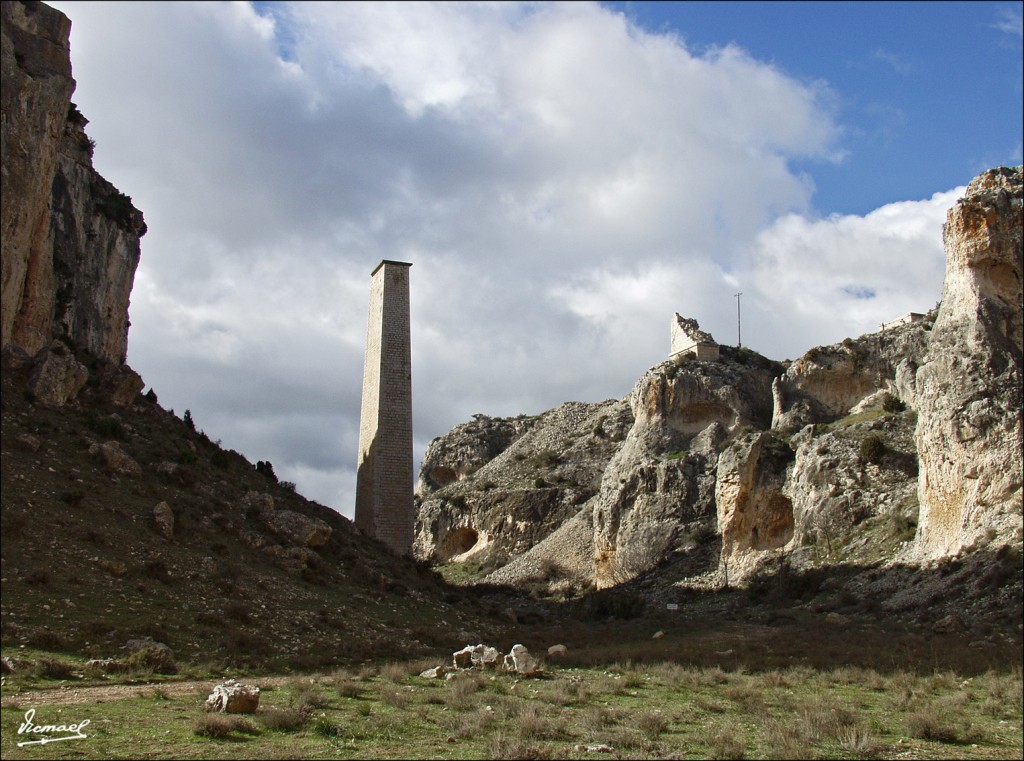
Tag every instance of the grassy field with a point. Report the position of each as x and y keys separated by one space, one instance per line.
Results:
x=655 y=711
x=707 y=689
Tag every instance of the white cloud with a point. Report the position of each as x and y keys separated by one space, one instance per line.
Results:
x=562 y=181
x=826 y=279
x=1011 y=22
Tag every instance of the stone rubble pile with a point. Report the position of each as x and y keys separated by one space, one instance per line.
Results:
x=518 y=661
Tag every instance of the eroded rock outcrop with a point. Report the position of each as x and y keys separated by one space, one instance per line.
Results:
x=662 y=481
x=827 y=382
x=467 y=448
x=755 y=516
x=513 y=481
x=70 y=239
x=969 y=386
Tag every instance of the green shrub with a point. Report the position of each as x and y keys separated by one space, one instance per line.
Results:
x=109 y=427
x=892 y=404
x=326 y=728
x=703 y=533
x=872 y=448
x=118 y=207
x=545 y=459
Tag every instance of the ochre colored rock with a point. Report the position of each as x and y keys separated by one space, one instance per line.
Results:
x=969 y=387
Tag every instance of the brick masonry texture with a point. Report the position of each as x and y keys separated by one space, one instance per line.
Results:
x=384 y=486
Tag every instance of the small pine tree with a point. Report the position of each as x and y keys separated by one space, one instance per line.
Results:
x=189 y=421
x=266 y=468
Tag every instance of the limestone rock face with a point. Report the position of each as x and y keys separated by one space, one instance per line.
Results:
x=662 y=480
x=833 y=458
x=513 y=481
x=466 y=449
x=564 y=558
x=95 y=232
x=834 y=490
x=35 y=65
x=969 y=386
x=829 y=381
x=70 y=240
x=755 y=517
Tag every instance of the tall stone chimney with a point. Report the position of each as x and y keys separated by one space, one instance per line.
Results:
x=384 y=485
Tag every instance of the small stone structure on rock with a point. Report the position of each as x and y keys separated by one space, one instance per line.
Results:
x=234 y=697
x=905 y=319
x=689 y=340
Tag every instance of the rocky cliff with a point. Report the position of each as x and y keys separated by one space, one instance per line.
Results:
x=968 y=389
x=492 y=489
x=70 y=239
x=836 y=457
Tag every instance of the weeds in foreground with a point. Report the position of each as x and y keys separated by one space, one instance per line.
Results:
x=219 y=726
x=669 y=712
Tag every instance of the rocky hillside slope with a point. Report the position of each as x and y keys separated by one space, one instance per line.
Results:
x=121 y=520
x=902 y=446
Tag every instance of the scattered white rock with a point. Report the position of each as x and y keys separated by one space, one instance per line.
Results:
x=521 y=662
x=233 y=697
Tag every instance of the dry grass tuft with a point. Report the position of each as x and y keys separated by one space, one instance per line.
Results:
x=652 y=724
x=788 y=740
x=724 y=743
x=219 y=726
x=859 y=742
x=503 y=747
x=283 y=719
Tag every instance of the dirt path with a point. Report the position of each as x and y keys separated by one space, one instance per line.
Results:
x=69 y=694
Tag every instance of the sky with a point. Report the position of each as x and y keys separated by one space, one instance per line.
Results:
x=563 y=177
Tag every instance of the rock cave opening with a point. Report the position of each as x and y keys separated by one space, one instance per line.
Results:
x=457 y=542
x=442 y=476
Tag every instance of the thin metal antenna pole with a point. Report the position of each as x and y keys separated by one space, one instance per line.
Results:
x=739 y=342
